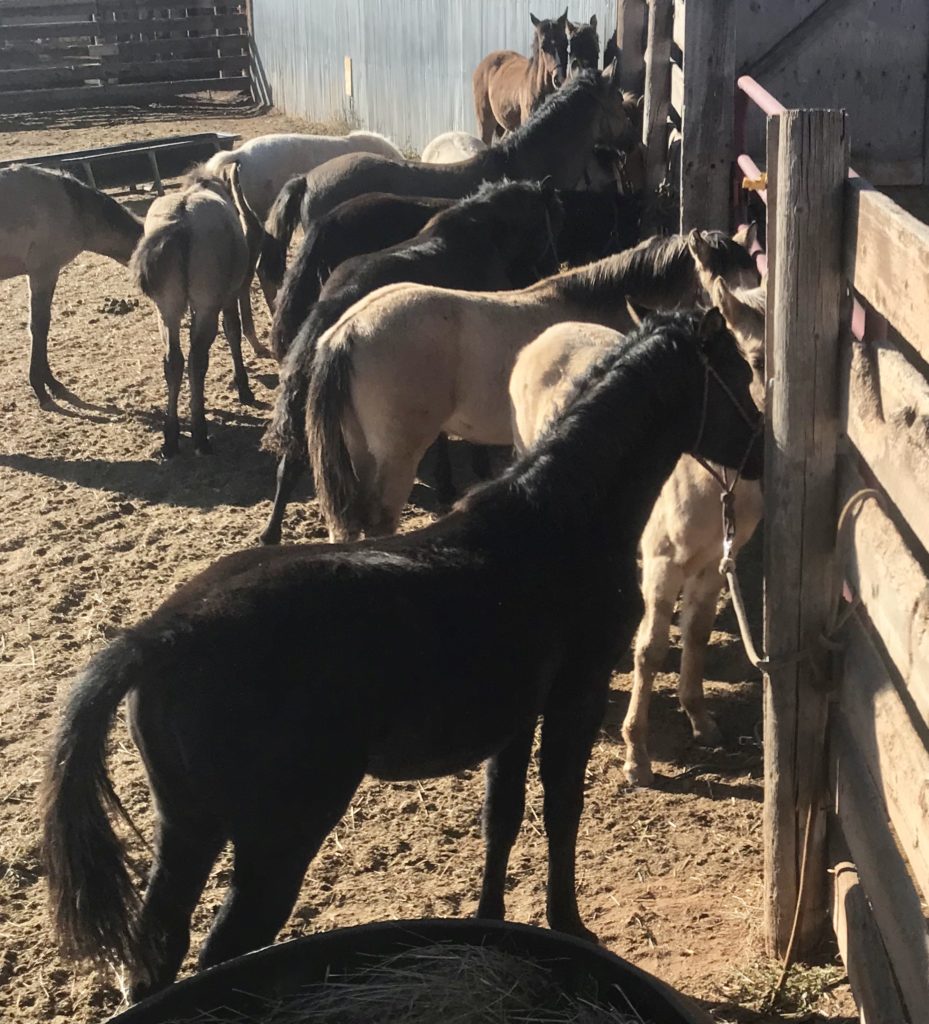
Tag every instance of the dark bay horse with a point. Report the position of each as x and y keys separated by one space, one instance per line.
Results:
x=557 y=144
x=501 y=237
x=509 y=88
x=263 y=691
x=583 y=46
x=46 y=219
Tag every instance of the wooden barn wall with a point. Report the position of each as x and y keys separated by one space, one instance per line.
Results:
x=870 y=57
x=411 y=61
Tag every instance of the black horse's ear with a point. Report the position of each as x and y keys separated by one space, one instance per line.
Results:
x=563 y=19
x=593 y=21
x=712 y=324
x=611 y=74
x=571 y=27
x=535 y=21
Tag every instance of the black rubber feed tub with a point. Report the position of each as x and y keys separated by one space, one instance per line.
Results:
x=245 y=985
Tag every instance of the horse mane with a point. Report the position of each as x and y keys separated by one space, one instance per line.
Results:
x=92 y=201
x=558 y=107
x=201 y=176
x=664 y=261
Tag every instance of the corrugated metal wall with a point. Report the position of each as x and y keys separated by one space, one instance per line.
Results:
x=412 y=60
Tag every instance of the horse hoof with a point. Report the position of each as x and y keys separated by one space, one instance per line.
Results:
x=169 y=449
x=577 y=929
x=639 y=774
x=269 y=538
x=203 y=447
x=246 y=396
x=708 y=734
x=262 y=351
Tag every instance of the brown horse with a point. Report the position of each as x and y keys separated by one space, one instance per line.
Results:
x=410 y=361
x=509 y=87
x=46 y=219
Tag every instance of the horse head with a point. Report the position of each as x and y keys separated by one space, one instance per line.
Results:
x=583 y=46
x=617 y=128
x=729 y=422
x=550 y=46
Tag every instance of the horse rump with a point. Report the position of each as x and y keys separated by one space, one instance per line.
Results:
x=160 y=260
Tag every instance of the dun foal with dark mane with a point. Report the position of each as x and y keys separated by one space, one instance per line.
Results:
x=509 y=88
x=556 y=145
x=46 y=219
x=258 y=705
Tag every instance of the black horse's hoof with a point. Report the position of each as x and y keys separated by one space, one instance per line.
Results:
x=269 y=537
x=246 y=396
x=204 y=447
x=169 y=449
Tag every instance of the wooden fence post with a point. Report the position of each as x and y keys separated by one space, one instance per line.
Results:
x=707 y=113
x=630 y=28
x=657 y=98
x=805 y=289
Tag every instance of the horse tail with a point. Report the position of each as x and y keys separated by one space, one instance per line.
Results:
x=94 y=904
x=280 y=226
x=299 y=292
x=329 y=402
x=160 y=261
x=219 y=160
x=249 y=218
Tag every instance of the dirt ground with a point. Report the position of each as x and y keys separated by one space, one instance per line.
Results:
x=96 y=531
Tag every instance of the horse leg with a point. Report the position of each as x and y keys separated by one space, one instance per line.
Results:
x=289 y=470
x=501 y=817
x=444 y=481
x=272 y=852
x=661 y=583
x=174 y=375
x=203 y=329
x=253 y=239
x=41 y=293
x=183 y=856
x=698 y=613
x=393 y=480
x=571 y=719
x=232 y=328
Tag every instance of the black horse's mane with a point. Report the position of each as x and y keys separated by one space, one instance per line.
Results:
x=559 y=106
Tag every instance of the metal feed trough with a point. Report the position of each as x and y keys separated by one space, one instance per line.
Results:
x=130 y=163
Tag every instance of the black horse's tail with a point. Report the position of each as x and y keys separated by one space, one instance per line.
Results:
x=329 y=403
x=299 y=292
x=279 y=227
x=94 y=904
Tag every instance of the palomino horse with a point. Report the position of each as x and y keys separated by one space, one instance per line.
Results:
x=194 y=256
x=450 y=147
x=682 y=542
x=557 y=144
x=46 y=219
x=509 y=88
x=410 y=362
x=583 y=46
x=258 y=704
x=265 y=164
x=502 y=236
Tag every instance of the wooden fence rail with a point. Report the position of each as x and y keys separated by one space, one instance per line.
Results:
x=100 y=52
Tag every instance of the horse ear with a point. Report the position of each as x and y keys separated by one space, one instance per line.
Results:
x=571 y=27
x=611 y=74
x=593 y=21
x=699 y=249
x=711 y=325
x=535 y=21
x=746 y=236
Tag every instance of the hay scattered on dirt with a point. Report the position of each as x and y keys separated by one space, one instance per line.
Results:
x=444 y=983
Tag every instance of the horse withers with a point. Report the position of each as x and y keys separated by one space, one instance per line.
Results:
x=258 y=700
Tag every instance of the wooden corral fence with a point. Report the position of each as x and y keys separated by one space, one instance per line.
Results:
x=77 y=53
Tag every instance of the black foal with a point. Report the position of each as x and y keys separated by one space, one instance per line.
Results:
x=263 y=691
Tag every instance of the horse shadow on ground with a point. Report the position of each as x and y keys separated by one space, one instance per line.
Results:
x=239 y=473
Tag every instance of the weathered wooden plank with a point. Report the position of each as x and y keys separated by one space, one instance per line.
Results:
x=189 y=69
x=52 y=30
x=657 y=98
x=677 y=34
x=894 y=590
x=805 y=286
x=887 y=260
x=890 y=744
x=631 y=16
x=884 y=875
x=861 y=949
x=47 y=77
x=30 y=13
x=886 y=416
x=707 y=114
x=195 y=46
x=150 y=26
x=114 y=95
